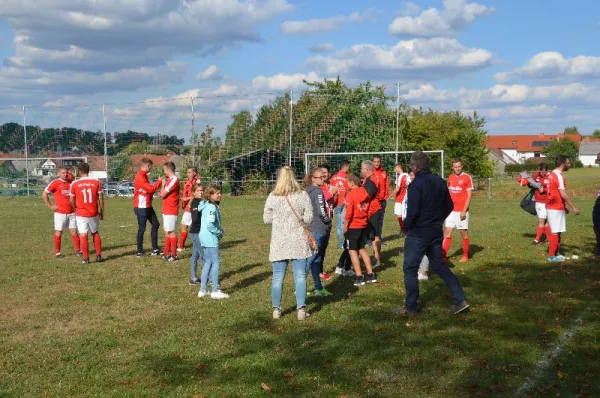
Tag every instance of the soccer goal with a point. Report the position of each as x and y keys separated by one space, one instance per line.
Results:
x=388 y=160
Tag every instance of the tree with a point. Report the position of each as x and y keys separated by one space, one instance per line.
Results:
x=561 y=147
x=571 y=130
x=596 y=133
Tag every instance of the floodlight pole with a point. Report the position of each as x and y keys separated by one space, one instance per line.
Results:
x=26 y=152
x=291 y=125
x=397 y=121
x=193 y=134
x=105 y=141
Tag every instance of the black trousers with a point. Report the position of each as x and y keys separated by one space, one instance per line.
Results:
x=596 y=221
x=144 y=215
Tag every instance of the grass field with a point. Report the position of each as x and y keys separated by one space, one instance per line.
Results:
x=134 y=327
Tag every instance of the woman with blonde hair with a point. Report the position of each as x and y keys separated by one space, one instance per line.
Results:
x=288 y=209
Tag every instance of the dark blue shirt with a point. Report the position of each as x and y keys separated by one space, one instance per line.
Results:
x=428 y=205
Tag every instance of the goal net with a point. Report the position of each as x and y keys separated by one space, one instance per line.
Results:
x=388 y=160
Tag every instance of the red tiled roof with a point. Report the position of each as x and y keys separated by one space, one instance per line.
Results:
x=96 y=163
x=158 y=160
x=524 y=143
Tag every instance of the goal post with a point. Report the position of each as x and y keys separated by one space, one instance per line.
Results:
x=388 y=159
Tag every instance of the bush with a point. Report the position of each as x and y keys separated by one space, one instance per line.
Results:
x=517 y=168
x=578 y=164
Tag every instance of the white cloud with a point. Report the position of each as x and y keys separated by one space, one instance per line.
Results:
x=419 y=59
x=282 y=81
x=553 y=65
x=210 y=73
x=409 y=9
x=435 y=23
x=320 y=25
x=321 y=48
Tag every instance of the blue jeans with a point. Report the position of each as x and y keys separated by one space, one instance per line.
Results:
x=299 y=269
x=340 y=215
x=415 y=248
x=196 y=254
x=315 y=262
x=210 y=264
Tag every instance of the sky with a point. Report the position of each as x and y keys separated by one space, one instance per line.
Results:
x=526 y=66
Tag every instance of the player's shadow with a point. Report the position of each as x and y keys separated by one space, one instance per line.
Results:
x=251 y=280
x=473 y=251
x=529 y=235
x=231 y=243
x=341 y=289
x=232 y=272
x=119 y=246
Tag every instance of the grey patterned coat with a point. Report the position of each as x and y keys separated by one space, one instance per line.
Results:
x=288 y=240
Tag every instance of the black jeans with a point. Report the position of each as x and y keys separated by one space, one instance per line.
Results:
x=596 y=222
x=415 y=247
x=144 y=215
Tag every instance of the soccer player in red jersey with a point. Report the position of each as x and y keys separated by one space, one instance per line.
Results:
x=541 y=197
x=384 y=187
x=142 y=207
x=88 y=202
x=340 y=181
x=555 y=206
x=399 y=193
x=170 y=210
x=188 y=195
x=460 y=186
x=64 y=215
x=355 y=228
x=372 y=185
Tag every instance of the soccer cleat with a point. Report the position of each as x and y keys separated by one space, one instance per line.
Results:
x=535 y=242
x=359 y=281
x=371 y=278
x=555 y=259
x=58 y=256
x=79 y=254
x=99 y=259
x=194 y=281
x=322 y=293
x=423 y=277
x=139 y=255
x=276 y=313
x=377 y=264
x=219 y=295
x=171 y=259
x=202 y=294
x=85 y=261
x=339 y=270
x=325 y=276
x=348 y=272
x=156 y=252
x=302 y=314
x=180 y=249
x=163 y=257
x=460 y=307
x=464 y=259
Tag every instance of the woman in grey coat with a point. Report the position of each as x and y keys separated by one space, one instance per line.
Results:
x=289 y=242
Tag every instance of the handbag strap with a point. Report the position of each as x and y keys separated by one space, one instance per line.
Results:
x=300 y=220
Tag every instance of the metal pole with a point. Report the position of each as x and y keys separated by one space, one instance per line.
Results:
x=193 y=135
x=443 y=164
x=26 y=152
x=489 y=189
x=291 y=124
x=105 y=142
x=397 y=121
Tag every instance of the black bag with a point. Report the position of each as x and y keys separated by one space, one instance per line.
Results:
x=528 y=204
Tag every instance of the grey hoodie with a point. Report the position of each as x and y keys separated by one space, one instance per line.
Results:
x=321 y=223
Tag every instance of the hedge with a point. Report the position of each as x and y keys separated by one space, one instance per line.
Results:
x=517 y=168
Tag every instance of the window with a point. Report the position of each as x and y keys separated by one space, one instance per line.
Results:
x=536 y=155
x=514 y=142
x=541 y=143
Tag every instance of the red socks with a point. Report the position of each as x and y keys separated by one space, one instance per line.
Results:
x=553 y=245
x=167 y=246
x=446 y=246
x=548 y=232
x=98 y=244
x=466 y=244
x=56 y=244
x=83 y=244
x=182 y=239
x=401 y=224
x=173 y=246
x=75 y=240
x=538 y=235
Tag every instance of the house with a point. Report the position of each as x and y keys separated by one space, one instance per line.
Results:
x=589 y=152
x=500 y=160
x=523 y=147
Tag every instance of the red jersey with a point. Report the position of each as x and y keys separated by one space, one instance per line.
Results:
x=143 y=190
x=357 y=208
x=541 y=195
x=556 y=183
x=171 y=201
x=340 y=181
x=402 y=181
x=384 y=184
x=187 y=193
x=86 y=190
x=458 y=185
x=372 y=186
x=61 y=190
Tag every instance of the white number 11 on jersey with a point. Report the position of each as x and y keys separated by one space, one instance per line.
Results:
x=87 y=195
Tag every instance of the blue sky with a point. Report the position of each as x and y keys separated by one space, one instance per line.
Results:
x=527 y=66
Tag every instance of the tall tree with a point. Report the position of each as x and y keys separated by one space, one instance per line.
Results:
x=571 y=130
x=596 y=133
x=561 y=147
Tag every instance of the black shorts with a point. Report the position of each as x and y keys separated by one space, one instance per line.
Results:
x=374 y=224
x=355 y=239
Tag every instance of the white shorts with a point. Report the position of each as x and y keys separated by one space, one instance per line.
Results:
x=169 y=222
x=85 y=223
x=64 y=220
x=186 y=219
x=540 y=209
x=557 y=221
x=454 y=221
x=400 y=209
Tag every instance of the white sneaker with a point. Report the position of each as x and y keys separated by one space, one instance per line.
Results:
x=302 y=314
x=349 y=273
x=218 y=295
x=339 y=271
x=276 y=313
x=180 y=249
x=202 y=294
x=423 y=277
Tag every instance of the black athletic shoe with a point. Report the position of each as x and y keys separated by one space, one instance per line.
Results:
x=59 y=256
x=460 y=307
x=371 y=278
x=163 y=257
x=139 y=255
x=85 y=261
x=99 y=259
x=156 y=252
x=359 y=281
x=171 y=259
x=535 y=242
x=194 y=282
x=79 y=254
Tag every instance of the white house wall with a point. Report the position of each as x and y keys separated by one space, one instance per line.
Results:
x=588 y=160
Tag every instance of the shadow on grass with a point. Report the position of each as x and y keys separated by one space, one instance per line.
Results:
x=251 y=280
x=245 y=268
x=231 y=243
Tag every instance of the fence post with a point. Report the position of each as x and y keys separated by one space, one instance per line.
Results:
x=489 y=188
x=26 y=151
x=397 y=121
x=291 y=124
x=105 y=142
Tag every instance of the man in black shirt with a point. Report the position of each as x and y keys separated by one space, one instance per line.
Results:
x=428 y=205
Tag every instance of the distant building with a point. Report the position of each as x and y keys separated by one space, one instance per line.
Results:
x=519 y=148
x=589 y=152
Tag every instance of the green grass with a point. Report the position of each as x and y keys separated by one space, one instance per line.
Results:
x=134 y=327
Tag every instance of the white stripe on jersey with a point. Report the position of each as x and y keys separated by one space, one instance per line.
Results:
x=560 y=179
